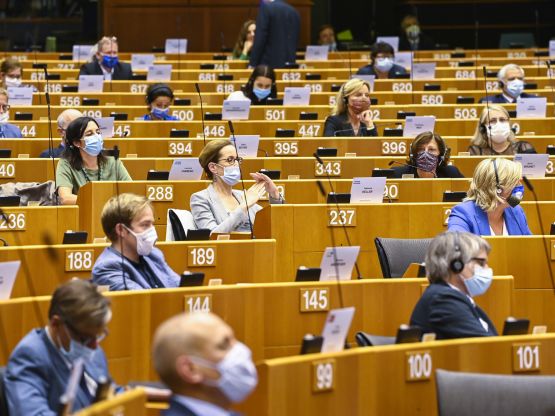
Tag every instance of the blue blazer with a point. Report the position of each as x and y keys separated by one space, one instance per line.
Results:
x=369 y=70
x=500 y=98
x=107 y=270
x=10 y=131
x=277 y=33
x=179 y=409
x=37 y=375
x=450 y=314
x=467 y=216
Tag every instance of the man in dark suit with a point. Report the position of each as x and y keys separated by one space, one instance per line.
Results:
x=277 y=33
x=197 y=356
x=65 y=117
x=105 y=62
x=457 y=268
x=511 y=80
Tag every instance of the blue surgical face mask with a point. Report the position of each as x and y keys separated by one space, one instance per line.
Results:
x=515 y=87
x=109 y=61
x=383 y=64
x=232 y=175
x=260 y=93
x=516 y=196
x=76 y=350
x=480 y=281
x=93 y=144
x=162 y=113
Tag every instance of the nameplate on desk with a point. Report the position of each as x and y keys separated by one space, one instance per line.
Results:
x=391 y=40
x=316 y=53
x=331 y=168
x=368 y=78
x=198 y=303
x=20 y=95
x=159 y=73
x=418 y=365
x=314 y=299
x=422 y=71
x=141 y=61
x=247 y=145
x=296 y=96
x=552 y=48
x=91 y=83
x=236 y=109
x=342 y=217
x=414 y=125
x=202 y=256
x=79 y=260
x=323 y=375
x=106 y=125
x=81 y=52
x=13 y=221
x=404 y=59
x=159 y=193
x=338 y=262
x=533 y=165
x=526 y=357
x=175 y=46
x=367 y=190
x=185 y=169
x=531 y=107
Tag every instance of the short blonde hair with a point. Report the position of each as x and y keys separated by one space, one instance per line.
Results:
x=121 y=210
x=350 y=87
x=105 y=40
x=4 y=91
x=480 y=138
x=211 y=153
x=485 y=183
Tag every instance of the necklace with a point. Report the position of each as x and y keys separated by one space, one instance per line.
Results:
x=87 y=176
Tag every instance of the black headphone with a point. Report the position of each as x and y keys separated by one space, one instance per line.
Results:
x=457 y=265
x=167 y=92
x=441 y=160
x=497 y=184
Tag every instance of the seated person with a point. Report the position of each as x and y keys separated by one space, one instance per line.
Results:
x=245 y=40
x=412 y=38
x=7 y=130
x=457 y=269
x=131 y=262
x=511 y=81
x=105 y=62
x=351 y=115
x=219 y=207
x=491 y=206
x=11 y=74
x=429 y=157
x=207 y=369
x=381 y=62
x=159 y=98
x=326 y=36
x=65 y=117
x=494 y=136
x=260 y=86
x=39 y=368
x=82 y=160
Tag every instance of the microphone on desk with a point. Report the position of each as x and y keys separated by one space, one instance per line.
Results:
x=123 y=275
x=546 y=250
x=201 y=114
x=321 y=187
x=50 y=138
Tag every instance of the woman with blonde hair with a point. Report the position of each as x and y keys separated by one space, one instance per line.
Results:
x=245 y=40
x=351 y=115
x=494 y=135
x=492 y=203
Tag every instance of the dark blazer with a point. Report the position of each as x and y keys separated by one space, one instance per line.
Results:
x=277 y=33
x=469 y=217
x=369 y=70
x=122 y=71
x=339 y=125
x=425 y=43
x=450 y=314
x=447 y=171
x=500 y=98
x=57 y=152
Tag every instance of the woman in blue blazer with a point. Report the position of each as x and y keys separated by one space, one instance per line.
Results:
x=492 y=203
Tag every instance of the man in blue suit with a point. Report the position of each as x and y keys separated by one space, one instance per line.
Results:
x=39 y=367
x=7 y=130
x=197 y=356
x=511 y=81
x=131 y=262
x=277 y=33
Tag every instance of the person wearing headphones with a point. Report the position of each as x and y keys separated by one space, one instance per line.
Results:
x=492 y=203
x=105 y=62
x=511 y=81
x=494 y=136
x=457 y=269
x=159 y=98
x=381 y=63
x=351 y=115
x=82 y=160
x=428 y=158
x=259 y=88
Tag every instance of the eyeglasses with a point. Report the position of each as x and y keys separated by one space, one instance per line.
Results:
x=5 y=107
x=232 y=160
x=498 y=120
x=483 y=262
x=86 y=339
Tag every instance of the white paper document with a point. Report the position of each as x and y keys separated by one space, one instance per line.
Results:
x=424 y=70
x=336 y=329
x=20 y=95
x=159 y=73
x=91 y=83
x=296 y=96
x=414 y=125
x=531 y=107
x=346 y=258
x=367 y=190
x=176 y=46
x=141 y=61
x=236 y=109
x=186 y=169
x=533 y=165
x=247 y=144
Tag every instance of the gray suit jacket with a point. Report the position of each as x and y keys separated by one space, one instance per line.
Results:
x=209 y=212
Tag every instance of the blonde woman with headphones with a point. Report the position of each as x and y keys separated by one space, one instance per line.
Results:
x=351 y=115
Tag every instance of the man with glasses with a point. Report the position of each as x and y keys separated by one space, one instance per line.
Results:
x=457 y=269
x=39 y=367
x=64 y=119
x=7 y=130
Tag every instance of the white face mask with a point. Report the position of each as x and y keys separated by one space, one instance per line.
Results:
x=4 y=117
x=145 y=240
x=13 y=82
x=500 y=132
